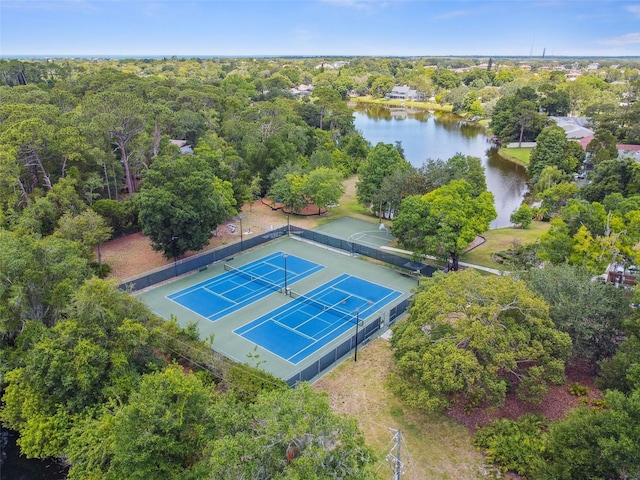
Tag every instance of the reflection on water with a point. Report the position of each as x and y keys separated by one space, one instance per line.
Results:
x=14 y=466
x=426 y=135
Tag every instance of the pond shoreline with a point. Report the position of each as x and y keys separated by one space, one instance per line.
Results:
x=432 y=107
x=512 y=158
x=426 y=135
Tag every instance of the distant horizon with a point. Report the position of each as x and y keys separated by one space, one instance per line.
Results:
x=310 y=28
x=318 y=56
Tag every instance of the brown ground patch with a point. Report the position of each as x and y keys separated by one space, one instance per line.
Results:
x=132 y=254
x=555 y=405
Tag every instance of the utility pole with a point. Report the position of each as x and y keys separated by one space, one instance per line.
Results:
x=395 y=457
x=398 y=463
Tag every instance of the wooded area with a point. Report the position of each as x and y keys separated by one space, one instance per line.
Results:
x=94 y=149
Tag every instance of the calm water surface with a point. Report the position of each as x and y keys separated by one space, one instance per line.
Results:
x=425 y=135
x=14 y=466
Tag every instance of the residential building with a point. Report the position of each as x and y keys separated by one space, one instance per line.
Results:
x=404 y=92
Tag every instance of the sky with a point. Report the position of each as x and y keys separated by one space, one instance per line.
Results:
x=319 y=28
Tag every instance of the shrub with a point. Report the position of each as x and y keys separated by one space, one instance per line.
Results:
x=100 y=270
x=514 y=446
x=578 y=390
x=523 y=216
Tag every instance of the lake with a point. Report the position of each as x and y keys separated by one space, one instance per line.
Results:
x=14 y=466
x=427 y=135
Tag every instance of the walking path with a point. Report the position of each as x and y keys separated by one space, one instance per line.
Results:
x=495 y=271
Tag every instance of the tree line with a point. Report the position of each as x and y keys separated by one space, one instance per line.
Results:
x=86 y=153
x=470 y=341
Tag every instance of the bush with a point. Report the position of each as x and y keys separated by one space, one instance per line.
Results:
x=578 y=390
x=523 y=216
x=514 y=446
x=121 y=216
x=100 y=270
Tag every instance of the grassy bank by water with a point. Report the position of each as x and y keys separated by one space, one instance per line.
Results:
x=518 y=155
x=502 y=239
x=403 y=103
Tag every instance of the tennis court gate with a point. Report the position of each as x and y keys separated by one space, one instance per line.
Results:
x=332 y=358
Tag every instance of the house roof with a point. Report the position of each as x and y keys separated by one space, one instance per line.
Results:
x=628 y=148
x=183 y=145
x=401 y=89
x=625 y=149
x=584 y=141
x=574 y=127
x=577 y=132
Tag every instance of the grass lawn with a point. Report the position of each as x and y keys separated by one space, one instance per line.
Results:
x=502 y=239
x=404 y=103
x=434 y=446
x=349 y=206
x=519 y=155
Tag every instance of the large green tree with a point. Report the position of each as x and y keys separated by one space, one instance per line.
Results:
x=160 y=432
x=602 y=146
x=291 y=433
x=443 y=222
x=289 y=190
x=584 y=234
x=382 y=161
x=471 y=339
x=176 y=426
x=620 y=371
x=553 y=149
x=459 y=167
x=37 y=278
x=592 y=313
x=516 y=118
x=88 y=228
x=119 y=117
x=613 y=176
x=333 y=112
x=94 y=354
x=323 y=186
x=181 y=202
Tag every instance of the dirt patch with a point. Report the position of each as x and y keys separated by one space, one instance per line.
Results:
x=555 y=405
x=132 y=255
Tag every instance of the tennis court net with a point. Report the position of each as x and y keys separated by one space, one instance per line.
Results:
x=342 y=314
x=254 y=278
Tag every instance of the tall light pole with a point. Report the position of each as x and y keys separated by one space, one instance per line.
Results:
x=286 y=288
x=173 y=251
x=355 y=357
x=241 y=245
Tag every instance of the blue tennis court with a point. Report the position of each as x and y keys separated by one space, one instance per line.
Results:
x=308 y=323
x=226 y=293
